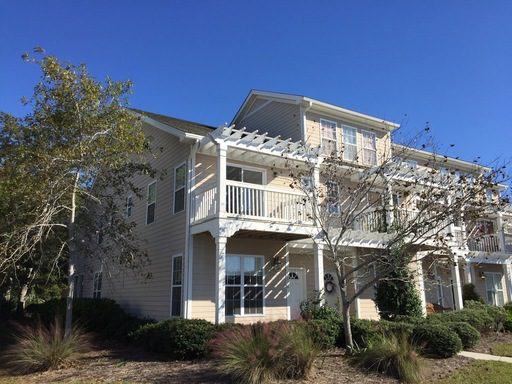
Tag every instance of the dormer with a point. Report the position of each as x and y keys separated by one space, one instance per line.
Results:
x=359 y=138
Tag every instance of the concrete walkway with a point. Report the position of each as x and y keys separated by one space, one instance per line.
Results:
x=485 y=356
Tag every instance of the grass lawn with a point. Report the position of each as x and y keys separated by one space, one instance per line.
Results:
x=504 y=349
x=488 y=372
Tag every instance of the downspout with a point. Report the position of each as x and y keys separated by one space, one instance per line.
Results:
x=188 y=254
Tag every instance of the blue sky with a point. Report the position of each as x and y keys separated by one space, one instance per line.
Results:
x=445 y=62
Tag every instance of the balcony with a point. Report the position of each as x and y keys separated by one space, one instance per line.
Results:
x=252 y=201
x=484 y=243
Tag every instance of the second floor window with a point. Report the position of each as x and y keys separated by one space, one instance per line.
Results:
x=180 y=180
x=177 y=273
x=244 y=175
x=369 y=148
x=333 y=205
x=328 y=132
x=349 y=144
x=151 y=203
x=96 y=285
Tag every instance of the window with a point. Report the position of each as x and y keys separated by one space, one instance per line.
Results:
x=79 y=288
x=150 y=210
x=333 y=205
x=307 y=183
x=328 y=134
x=489 y=196
x=244 y=175
x=180 y=180
x=349 y=144
x=411 y=164
x=96 y=284
x=369 y=148
x=177 y=274
x=244 y=285
x=129 y=206
x=494 y=288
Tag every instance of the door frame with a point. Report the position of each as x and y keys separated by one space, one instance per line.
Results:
x=301 y=271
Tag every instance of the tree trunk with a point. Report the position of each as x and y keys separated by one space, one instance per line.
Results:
x=346 y=326
x=71 y=267
x=20 y=308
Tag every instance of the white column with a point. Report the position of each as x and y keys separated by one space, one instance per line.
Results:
x=221 y=179
x=220 y=276
x=389 y=206
x=421 y=286
x=507 y=273
x=318 y=250
x=500 y=232
x=457 y=287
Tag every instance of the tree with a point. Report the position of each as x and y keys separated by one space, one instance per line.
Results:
x=67 y=168
x=396 y=295
x=347 y=200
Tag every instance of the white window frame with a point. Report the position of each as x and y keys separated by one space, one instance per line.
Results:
x=346 y=128
x=129 y=206
x=497 y=291
x=322 y=138
x=97 y=284
x=333 y=207
x=242 y=286
x=148 y=203
x=174 y=285
x=364 y=148
x=183 y=187
x=263 y=172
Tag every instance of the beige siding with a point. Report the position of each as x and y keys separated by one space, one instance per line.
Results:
x=203 y=292
x=313 y=134
x=276 y=118
x=164 y=238
x=480 y=283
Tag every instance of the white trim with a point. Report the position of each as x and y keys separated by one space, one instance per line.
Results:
x=249 y=168
x=242 y=285
x=175 y=190
x=128 y=206
x=356 y=160
x=302 y=271
x=147 y=202
x=335 y=136
x=176 y=285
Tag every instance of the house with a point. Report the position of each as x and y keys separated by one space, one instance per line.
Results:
x=231 y=241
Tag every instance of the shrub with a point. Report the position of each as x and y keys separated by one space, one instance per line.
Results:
x=478 y=318
x=436 y=340
x=180 y=339
x=393 y=355
x=103 y=316
x=469 y=293
x=396 y=328
x=467 y=333
x=498 y=314
x=39 y=347
x=263 y=352
x=322 y=332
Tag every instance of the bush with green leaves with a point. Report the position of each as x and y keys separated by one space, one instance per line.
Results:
x=469 y=293
x=468 y=334
x=507 y=325
x=396 y=328
x=264 y=352
x=38 y=347
x=436 y=340
x=323 y=332
x=478 y=318
x=498 y=314
x=394 y=355
x=180 y=339
x=102 y=316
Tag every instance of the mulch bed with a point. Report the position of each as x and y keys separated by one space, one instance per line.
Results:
x=123 y=363
x=487 y=341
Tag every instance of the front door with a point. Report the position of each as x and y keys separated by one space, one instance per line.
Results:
x=297 y=290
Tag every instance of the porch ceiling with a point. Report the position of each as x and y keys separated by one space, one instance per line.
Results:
x=246 y=234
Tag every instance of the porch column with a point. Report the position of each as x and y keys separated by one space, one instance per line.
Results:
x=500 y=232
x=221 y=179
x=220 y=279
x=457 y=287
x=507 y=272
x=421 y=285
x=318 y=254
x=389 y=206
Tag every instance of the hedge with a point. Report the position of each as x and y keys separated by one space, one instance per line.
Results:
x=468 y=334
x=436 y=340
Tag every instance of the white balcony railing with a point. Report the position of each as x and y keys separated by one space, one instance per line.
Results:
x=484 y=243
x=253 y=201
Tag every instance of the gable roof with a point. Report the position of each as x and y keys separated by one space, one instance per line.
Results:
x=179 y=124
x=299 y=99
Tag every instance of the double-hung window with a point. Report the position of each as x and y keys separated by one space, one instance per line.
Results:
x=349 y=144
x=333 y=205
x=329 y=141
x=180 y=178
x=151 y=203
x=244 y=285
x=369 y=148
x=177 y=274
x=494 y=288
x=96 y=285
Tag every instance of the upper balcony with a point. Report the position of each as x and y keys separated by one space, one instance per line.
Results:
x=497 y=242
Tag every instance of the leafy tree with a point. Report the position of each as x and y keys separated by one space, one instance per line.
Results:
x=396 y=294
x=351 y=203
x=67 y=167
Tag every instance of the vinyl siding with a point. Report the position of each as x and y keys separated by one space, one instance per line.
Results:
x=203 y=291
x=276 y=118
x=313 y=134
x=163 y=238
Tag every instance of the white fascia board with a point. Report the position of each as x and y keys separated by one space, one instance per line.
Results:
x=183 y=136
